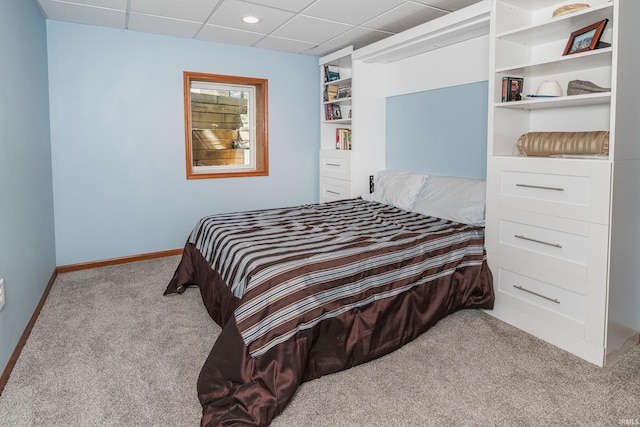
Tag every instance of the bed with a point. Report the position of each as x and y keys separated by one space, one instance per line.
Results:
x=305 y=291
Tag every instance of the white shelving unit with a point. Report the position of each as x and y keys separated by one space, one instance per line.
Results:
x=335 y=165
x=562 y=234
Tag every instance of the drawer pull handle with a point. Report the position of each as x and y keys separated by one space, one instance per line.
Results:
x=333 y=164
x=555 y=245
x=537 y=294
x=540 y=187
x=333 y=192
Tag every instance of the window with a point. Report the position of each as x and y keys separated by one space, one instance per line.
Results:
x=225 y=126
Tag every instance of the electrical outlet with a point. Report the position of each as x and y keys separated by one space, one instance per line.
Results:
x=1 y=293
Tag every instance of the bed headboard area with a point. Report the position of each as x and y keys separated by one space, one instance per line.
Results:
x=422 y=99
x=440 y=131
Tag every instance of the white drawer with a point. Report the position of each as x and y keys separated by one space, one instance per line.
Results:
x=559 y=279
x=557 y=244
x=574 y=189
x=335 y=164
x=577 y=249
x=546 y=187
x=543 y=295
x=334 y=189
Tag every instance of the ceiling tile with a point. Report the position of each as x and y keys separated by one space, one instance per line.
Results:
x=161 y=25
x=230 y=14
x=404 y=17
x=448 y=5
x=321 y=50
x=311 y=30
x=214 y=33
x=109 y=4
x=282 y=44
x=353 y=12
x=190 y=10
x=290 y=5
x=359 y=37
x=73 y=12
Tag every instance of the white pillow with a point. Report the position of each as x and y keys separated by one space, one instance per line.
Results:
x=396 y=188
x=453 y=198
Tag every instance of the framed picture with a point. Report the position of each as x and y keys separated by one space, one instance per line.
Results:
x=586 y=38
x=336 y=112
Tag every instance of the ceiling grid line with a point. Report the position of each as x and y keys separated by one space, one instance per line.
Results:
x=309 y=27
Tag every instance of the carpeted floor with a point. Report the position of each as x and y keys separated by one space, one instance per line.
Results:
x=109 y=350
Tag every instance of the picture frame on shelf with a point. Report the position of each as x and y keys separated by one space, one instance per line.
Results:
x=343 y=92
x=336 y=112
x=585 y=39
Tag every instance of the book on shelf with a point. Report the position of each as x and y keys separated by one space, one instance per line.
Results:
x=343 y=139
x=331 y=73
x=512 y=88
x=332 y=112
x=331 y=92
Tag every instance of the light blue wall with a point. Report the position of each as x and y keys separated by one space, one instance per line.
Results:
x=117 y=135
x=27 y=244
x=440 y=131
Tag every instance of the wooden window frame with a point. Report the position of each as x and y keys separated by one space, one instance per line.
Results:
x=261 y=125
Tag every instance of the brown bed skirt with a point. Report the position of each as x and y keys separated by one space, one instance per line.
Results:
x=236 y=389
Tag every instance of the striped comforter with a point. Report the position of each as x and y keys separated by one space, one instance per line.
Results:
x=291 y=268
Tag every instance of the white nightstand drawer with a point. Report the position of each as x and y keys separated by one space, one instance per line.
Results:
x=334 y=189
x=335 y=164
x=541 y=294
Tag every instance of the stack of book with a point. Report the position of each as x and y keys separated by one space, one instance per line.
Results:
x=343 y=139
x=331 y=92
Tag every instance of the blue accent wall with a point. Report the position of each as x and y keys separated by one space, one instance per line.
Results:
x=440 y=131
x=27 y=243
x=117 y=136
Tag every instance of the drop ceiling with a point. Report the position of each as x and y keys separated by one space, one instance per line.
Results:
x=310 y=27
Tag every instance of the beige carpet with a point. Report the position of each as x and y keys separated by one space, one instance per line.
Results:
x=110 y=350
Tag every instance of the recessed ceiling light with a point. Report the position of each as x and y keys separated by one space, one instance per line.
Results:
x=250 y=19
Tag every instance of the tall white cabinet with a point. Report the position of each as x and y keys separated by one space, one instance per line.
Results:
x=563 y=234
x=336 y=179
x=345 y=173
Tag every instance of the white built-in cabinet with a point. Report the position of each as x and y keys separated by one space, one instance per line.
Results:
x=563 y=234
x=346 y=173
x=336 y=179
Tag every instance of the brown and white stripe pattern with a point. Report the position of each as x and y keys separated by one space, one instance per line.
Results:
x=294 y=267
